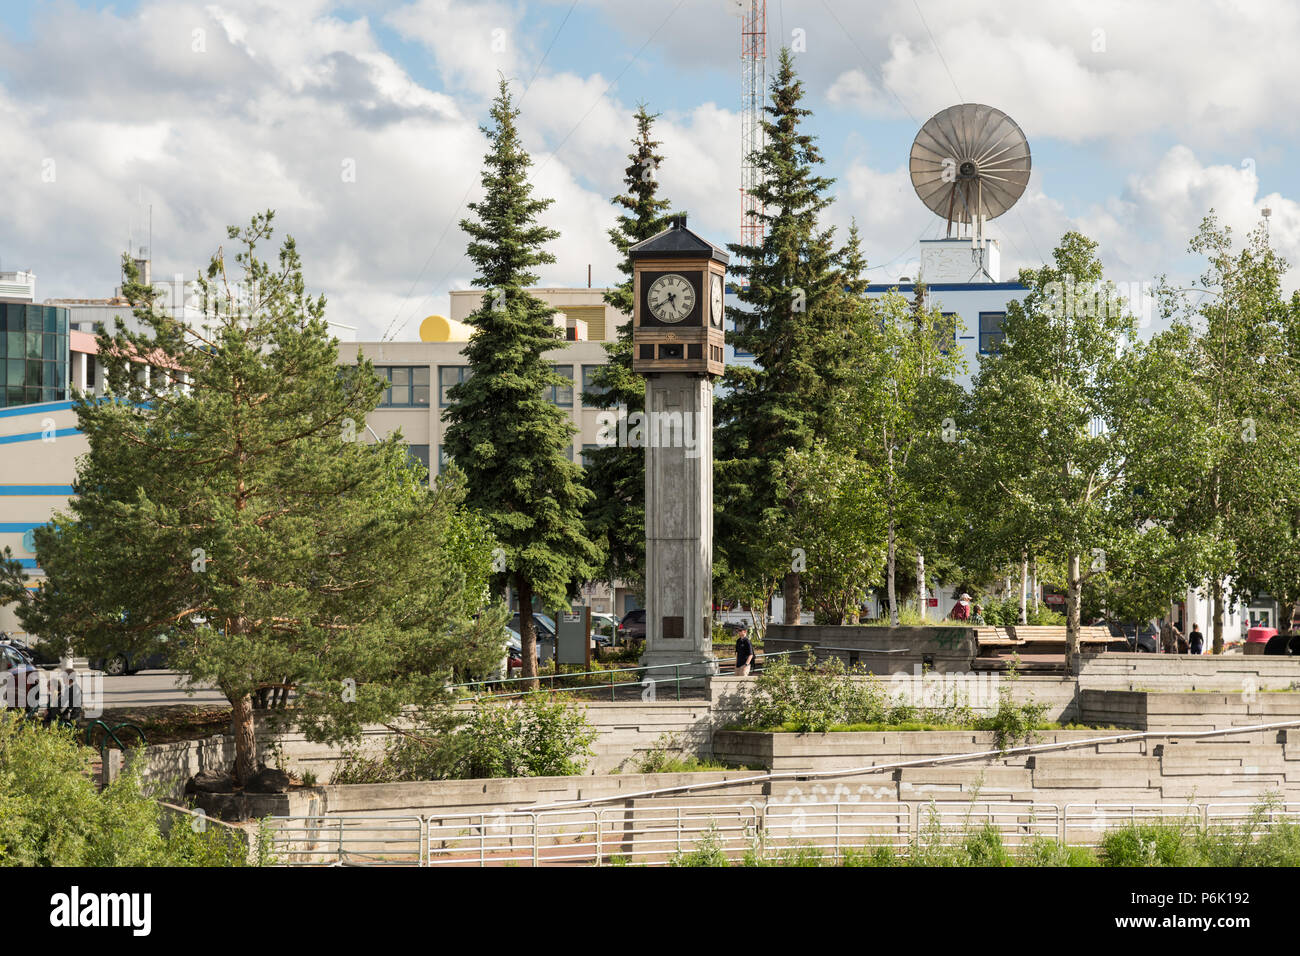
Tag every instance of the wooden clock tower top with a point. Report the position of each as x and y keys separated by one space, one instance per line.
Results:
x=679 y=288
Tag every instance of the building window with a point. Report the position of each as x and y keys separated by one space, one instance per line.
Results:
x=738 y=327
x=33 y=354
x=420 y=454
x=90 y=373
x=587 y=457
x=449 y=375
x=562 y=395
x=991 y=335
x=588 y=386
x=444 y=459
x=408 y=386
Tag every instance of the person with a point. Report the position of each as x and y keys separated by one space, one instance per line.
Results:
x=1179 y=636
x=65 y=696
x=1168 y=640
x=961 y=610
x=744 y=652
x=978 y=616
x=1196 y=640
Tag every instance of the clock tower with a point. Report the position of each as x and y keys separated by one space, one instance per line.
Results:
x=677 y=344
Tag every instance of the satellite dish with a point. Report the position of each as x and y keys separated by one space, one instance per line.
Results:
x=969 y=164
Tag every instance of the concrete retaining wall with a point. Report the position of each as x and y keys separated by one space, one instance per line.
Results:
x=881 y=650
x=626 y=733
x=1242 y=767
x=1209 y=710
x=1184 y=672
x=454 y=797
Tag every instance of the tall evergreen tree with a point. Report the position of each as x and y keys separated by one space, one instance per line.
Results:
x=792 y=322
x=227 y=505
x=615 y=475
x=511 y=441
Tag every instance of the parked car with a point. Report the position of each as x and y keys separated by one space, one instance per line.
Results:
x=37 y=652
x=20 y=680
x=117 y=663
x=21 y=651
x=1143 y=638
x=544 y=629
x=514 y=649
x=604 y=624
x=632 y=627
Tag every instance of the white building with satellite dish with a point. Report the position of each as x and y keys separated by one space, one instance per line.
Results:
x=969 y=164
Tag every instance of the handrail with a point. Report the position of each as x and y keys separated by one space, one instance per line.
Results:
x=658 y=834
x=111 y=733
x=923 y=762
x=677 y=679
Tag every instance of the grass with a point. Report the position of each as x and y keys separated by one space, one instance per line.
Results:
x=912 y=727
x=688 y=764
x=1250 y=843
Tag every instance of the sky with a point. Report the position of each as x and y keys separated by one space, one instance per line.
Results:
x=359 y=123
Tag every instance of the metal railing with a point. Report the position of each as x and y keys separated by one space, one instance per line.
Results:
x=111 y=733
x=348 y=840
x=660 y=835
x=890 y=766
x=549 y=679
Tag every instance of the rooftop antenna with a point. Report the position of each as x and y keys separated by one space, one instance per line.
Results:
x=753 y=75
x=969 y=164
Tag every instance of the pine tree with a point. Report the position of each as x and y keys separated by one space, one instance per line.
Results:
x=227 y=505
x=503 y=432
x=792 y=322
x=615 y=475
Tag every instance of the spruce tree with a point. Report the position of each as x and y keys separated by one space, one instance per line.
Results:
x=504 y=433
x=228 y=505
x=792 y=322
x=615 y=475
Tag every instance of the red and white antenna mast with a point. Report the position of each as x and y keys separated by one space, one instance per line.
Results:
x=753 y=81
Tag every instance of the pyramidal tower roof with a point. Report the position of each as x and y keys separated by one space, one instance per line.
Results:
x=677 y=242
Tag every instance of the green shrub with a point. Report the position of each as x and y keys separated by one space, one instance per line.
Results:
x=1013 y=723
x=1045 y=617
x=818 y=696
x=708 y=851
x=983 y=847
x=1151 y=844
x=51 y=813
x=813 y=696
x=667 y=757
x=869 y=856
x=534 y=737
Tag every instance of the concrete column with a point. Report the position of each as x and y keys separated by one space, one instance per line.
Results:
x=679 y=524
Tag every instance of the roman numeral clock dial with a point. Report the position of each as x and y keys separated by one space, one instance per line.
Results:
x=671 y=298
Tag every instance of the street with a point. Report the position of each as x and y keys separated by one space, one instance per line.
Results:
x=152 y=688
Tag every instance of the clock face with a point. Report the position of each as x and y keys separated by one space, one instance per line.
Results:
x=715 y=301
x=671 y=298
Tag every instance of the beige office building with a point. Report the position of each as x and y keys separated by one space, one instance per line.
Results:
x=421 y=372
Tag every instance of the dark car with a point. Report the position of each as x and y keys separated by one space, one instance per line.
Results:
x=1142 y=638
x=118 y=663
x=544 y=630
x=632 y=627
x=20 y=680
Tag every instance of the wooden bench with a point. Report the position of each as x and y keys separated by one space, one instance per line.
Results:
x=1018 y=635
x=995 y=637
x=1055 y=634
